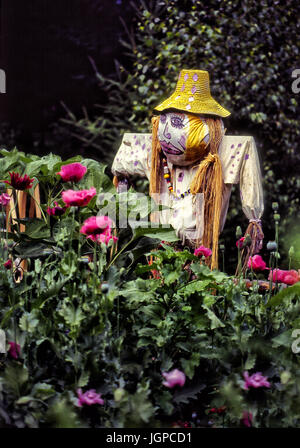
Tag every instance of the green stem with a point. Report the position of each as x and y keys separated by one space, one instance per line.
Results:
x=119 y=253
x=95 y=270
x=39 y=206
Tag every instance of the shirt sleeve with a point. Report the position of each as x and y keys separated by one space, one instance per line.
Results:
x=251 y=190
x=133 y=156
x=240 y=164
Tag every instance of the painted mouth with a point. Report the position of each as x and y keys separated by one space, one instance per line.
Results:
x=170 y=149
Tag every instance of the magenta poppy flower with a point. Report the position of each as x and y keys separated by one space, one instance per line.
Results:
x=73 y=172
x=276 y=275
x=240 y=242
x=257 y=263
x=202 y=251
x=256 y=380
x=89 y=397
x=56 y=211
x=288 y=277
x=98 y=229
x=4 y=199
x=78 y=198
x=19 y=182
x=95 y=225
x=174 y=378
x=291 y=277
x=247 y=418
x=14 y=350
x=103 y=237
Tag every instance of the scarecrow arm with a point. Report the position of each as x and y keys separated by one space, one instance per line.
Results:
x=252 y=194
x=132 y=159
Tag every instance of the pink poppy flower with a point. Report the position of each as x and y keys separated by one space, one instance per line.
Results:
x=56 y=211
x=291 y=277
x=14 y=350
x=202 y=251
x=276 y=275
x=247 y=418
x=257 y=263
x=89 y=397
x=72 y=172
x=288 y=277
x=104 y=237
x=78 y=198
x=173 y=378
x=4 y=199
x=239 y=242
x=98 y=229
x=256 y=380
x=96 y=224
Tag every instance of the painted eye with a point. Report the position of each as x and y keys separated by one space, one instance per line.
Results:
x=163 y=118
x=177 y=122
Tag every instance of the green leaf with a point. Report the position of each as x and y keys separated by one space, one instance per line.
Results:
x=15 y=378
x=84 y=379
x=62 y=415
x=250 y=363
x=141 y=403
x=43 y=391
x=164 y=401
x=73 y=316
x=158 y=233
x=214 y=320
x=186 y=394
x=29 y=321
x=193 y=287
x=24 y=400
x=189 y=365
x=288 y=293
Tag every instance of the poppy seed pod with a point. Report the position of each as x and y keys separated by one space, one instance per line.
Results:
x=272 y=246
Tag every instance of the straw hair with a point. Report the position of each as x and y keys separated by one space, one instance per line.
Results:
x=207 y=180
x=196 y=147
x=156 y=159
x=115 y=181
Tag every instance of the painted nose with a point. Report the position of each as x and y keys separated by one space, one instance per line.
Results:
x=166 y=133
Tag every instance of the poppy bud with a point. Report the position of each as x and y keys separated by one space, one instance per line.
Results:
x=238 y=232
x=291 y=251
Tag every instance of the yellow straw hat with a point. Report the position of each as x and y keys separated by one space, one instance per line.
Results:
x=192 y=95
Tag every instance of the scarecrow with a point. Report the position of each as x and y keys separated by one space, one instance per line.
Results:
x=192 y=165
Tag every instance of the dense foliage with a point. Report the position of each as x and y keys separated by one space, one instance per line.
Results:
x=96 y=316
x=250 y=50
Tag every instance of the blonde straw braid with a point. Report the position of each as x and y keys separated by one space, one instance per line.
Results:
x=209 y=180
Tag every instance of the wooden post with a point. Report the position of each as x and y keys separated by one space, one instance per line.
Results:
x=13 y=213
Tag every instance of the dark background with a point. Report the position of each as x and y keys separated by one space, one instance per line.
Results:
x=45 y=51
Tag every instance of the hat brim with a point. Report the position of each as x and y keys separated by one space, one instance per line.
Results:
x=207 y=107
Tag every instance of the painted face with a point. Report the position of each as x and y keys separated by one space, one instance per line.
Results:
x=173 y=132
